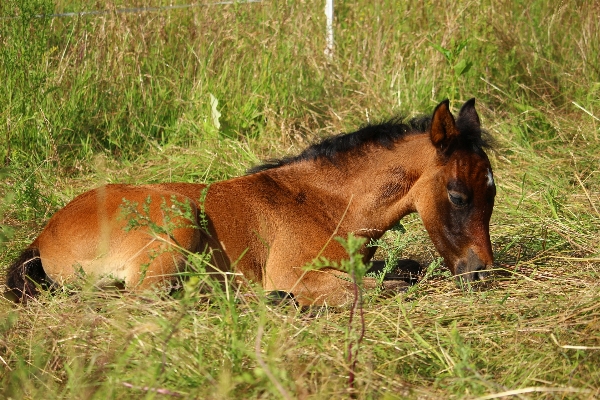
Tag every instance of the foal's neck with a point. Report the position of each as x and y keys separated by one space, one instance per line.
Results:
x=366 y=189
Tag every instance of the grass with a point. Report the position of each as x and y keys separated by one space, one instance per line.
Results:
x=127 y=98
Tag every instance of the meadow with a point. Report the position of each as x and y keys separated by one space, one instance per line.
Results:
x=203 y=93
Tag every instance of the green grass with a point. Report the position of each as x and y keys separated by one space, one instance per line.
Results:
x=127 y=98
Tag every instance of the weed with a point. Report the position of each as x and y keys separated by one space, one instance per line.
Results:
x=134 y=90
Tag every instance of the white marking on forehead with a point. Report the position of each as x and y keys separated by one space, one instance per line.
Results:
x=490 y=178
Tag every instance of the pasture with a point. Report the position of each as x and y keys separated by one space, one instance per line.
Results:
x=202 y=94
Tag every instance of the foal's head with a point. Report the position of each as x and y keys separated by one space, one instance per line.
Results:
x=456 y=198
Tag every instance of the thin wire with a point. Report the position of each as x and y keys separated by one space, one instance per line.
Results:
x=137 y=10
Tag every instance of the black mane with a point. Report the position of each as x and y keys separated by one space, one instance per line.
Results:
x=384 y=134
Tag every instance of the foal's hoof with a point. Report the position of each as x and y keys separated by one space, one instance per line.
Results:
x=11 y=296
x=406 y=270
x=407 y=266
x=281 y=298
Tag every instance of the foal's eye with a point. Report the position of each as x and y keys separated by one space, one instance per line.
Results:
x=457 y=198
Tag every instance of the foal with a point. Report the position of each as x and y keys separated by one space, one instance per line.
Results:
x=270 y=224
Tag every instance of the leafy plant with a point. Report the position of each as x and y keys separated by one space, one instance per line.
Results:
x=457 y=61
x=392 y=249
x=356 y=268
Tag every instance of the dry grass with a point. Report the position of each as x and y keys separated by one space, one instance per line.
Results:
x=125 y=98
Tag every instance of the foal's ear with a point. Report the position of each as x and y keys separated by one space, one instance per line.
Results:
x=443 y=127
x=468 y=119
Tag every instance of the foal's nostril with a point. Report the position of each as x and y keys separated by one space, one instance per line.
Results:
x=479 y=273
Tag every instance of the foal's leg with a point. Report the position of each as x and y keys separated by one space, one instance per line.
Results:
x=310 y=287
x=325 y=286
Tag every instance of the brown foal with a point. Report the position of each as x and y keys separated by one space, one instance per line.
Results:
x=270 y=224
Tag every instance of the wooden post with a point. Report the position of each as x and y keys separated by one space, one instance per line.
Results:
x=329 y=31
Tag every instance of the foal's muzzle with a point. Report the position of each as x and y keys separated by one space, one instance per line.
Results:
x=471 y=268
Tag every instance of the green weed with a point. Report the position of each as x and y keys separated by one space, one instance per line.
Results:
x=119 y=97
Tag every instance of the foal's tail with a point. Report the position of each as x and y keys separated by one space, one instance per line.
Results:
x=26 y=275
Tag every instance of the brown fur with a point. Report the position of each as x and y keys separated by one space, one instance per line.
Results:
x=270 y=224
